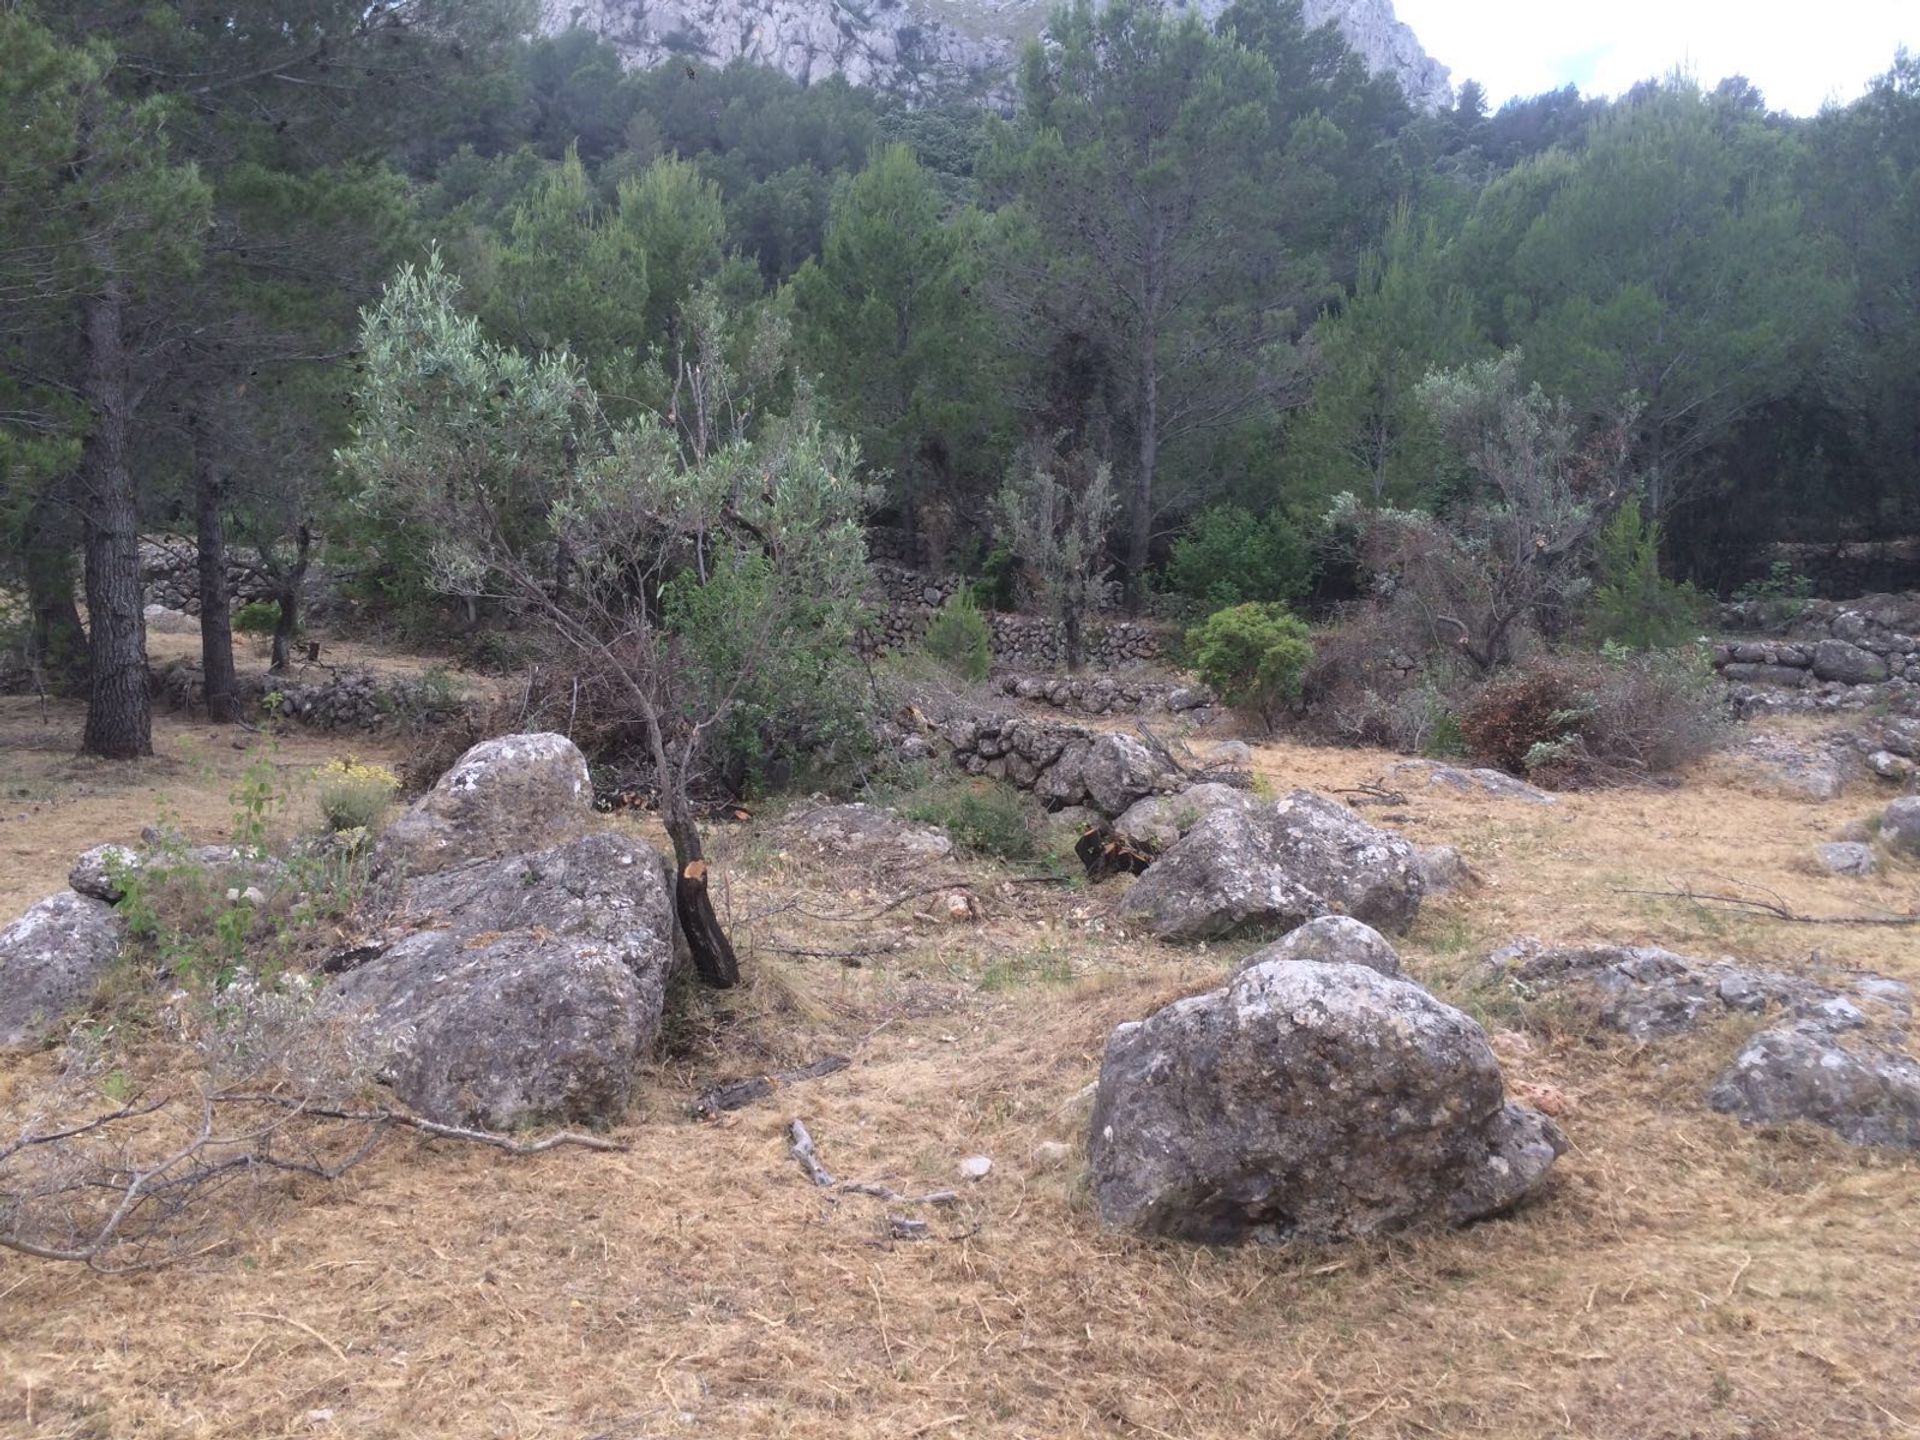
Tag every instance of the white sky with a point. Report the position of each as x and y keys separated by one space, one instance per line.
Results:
x=1799 y=54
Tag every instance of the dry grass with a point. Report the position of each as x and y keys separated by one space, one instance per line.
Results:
x=1680 y=1276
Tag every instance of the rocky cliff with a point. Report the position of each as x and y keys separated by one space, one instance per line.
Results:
x=920 y=48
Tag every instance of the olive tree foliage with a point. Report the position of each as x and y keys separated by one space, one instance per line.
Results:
x=1509 y=557
x=1052 y=515
x=696 y=571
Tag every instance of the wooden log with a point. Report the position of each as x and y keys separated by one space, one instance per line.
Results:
x=737 y=1094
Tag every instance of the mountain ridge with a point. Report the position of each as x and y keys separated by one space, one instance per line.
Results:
x=922 y=49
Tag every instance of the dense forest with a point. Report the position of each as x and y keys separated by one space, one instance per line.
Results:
x=295 y=280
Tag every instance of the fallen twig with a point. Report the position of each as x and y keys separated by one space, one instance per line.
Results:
x=1770 y=908
x=737 y=1094
x=401 y=1120
x=809 y=1158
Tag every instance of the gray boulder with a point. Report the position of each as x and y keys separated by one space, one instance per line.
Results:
x=1900 y=826
x=528 y=989
x=1865 y=1092
x=1118 y=771
x=1276 y=865
x=1847 y=664
x=514 y=793
x=870 y=833
x=1795 y=769
x=51 y=959
x=97 y=873
x=1443 y=870
x=1846 y=857
x=1308 y=1103
x=1496 y=783
x=1157 y=822
x=1331 y=940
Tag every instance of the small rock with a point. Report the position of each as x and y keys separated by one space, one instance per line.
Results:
x=97 y=872
x=1845 y=857
x=1900 y=826
x=1444 y=869
x=1889 y=766
x=1051 y=1154
x=976 y=1167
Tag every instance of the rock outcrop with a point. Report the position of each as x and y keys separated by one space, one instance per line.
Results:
x=918 y=50
x=50 y=960
x=1275 y=866
x=1308 y=1103
x=868 y=834
x=504 y=796
x=1331 y=940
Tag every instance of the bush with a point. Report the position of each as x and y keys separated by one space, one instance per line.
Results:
x=1566 y=721
x=983 y=816
x=1635 y=605
x=960 y=638
x=1229 y=556
x=257 y=617
x=353 y=796
x=1253 y=656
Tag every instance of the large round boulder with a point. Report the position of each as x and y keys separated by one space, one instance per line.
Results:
x=1275 y=866
x=514 y=793
x=1308 y=1103
x=1156 y=823
x=51 y=959
x=1900 y=826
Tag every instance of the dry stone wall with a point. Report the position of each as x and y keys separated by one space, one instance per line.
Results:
x=904 y=602
x=1823 y=654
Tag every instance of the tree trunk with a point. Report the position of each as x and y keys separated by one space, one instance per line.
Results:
x=57 y=644
x=1070 y=632
x=1140 y=511
x=119 y=710
x=288 y=596
x=712 y=952
x=220 y=683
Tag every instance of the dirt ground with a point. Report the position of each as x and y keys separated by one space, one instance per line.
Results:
x=1679 y=1276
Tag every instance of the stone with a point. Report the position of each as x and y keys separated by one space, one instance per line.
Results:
x=1741 y=672
x=1118 y=771
x=976 y=1167
x=503 y=796
x=99 y=871
x=1308 y=1103
x=1156 y=823
x=1051 y=1154
x=1847 y=857
x=162 y=620
x=1232 y=752
x=1889 y=766
x=526 y=988
x=1866 y=1093
x=1643 y=991
x=1900 y=826
x=869 y=833
x=1795 y=769
x=1443 y=870
x=1496 y=783
x=51 y=959
x=1848 y=664
x=1275 y=866
x=1331 y=940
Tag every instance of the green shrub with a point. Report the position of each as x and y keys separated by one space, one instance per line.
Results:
x=1252 y=656
x=983 y=816
x=960 y=638
x=1634 y=605
x=1230 y=556
x=257 y=617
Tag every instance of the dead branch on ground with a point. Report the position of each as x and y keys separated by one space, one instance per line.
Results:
x=1773 y=909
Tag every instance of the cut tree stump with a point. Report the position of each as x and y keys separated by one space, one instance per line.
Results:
x=712 y=952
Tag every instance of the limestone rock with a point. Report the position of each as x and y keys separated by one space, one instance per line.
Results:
x=1157 y=822
x=869 y=833
x=504 y=796
x=1900 y=826
x=1796 y=769
x=1496 y=783
x=1866 y=1093
x=1848 y=664
x=1443 y=870
x=1276 y=865
x=50 y=960
x=1331 y=940
x=1309 y=1103
x=1847 y=857
x=1118 y=771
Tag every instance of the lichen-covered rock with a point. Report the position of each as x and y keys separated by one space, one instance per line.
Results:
x=51 y=959
x=1781 y=764
x=1311 y=1103
x=1331 y=940
x=1157 y=822
x=1120 y=770
x=1276 y=866
x=499 y=1032
x=514 y=793
x=529 y=986
x=1866 y=1092
x=869 y=833
x=1496 y=783
x=99 y=872
x=1846 y=857
x=1443 y=870
x=102 y=872
x=1900 y=826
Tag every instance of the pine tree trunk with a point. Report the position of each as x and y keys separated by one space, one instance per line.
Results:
x=1140 y=511
x=288 y=624
x=57 y=644
x=221 y=684
x=119 y=710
